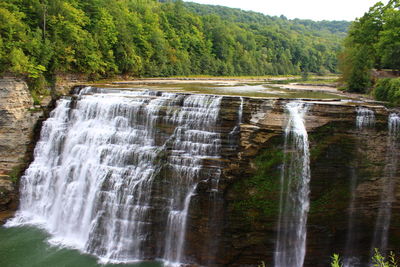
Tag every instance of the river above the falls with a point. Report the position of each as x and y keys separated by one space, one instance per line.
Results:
x=230 y=88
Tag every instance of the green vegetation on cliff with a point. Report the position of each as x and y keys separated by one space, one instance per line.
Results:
x=378 y=260
x=101 y=38
x=373 y=42
x=259 y=195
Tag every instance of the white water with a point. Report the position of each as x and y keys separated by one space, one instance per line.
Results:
x=388 y=196
x=240 y=116
x=365 y=118
x=235 y=129
x=294 y=201
x=191 y=143
x=91 y=184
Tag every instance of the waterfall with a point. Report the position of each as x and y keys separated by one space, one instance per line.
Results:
x=394 y=125
x=192 y=142
x=240 y=116
x=239 y=120
x=365 y=118
x=99 y=172
x=294 y=197
x=350 y=260
x=388 y=197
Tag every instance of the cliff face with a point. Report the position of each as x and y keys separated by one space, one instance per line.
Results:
x=18 y=118
x=349 y=186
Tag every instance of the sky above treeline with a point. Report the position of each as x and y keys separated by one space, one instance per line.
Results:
x=303 y=9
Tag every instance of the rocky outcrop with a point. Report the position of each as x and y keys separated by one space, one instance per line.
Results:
x=18 y=119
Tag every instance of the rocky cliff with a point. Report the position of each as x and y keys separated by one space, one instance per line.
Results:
x=18 y=118
x=349 y=183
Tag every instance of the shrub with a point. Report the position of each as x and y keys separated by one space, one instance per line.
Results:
x=377 y=260
x=336 y=261
x=388 y=89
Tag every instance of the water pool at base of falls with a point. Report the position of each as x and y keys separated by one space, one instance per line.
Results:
x=28 y=247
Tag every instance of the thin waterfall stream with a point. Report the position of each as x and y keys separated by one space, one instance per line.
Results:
x=294 y=200
x=365 y=120
x=388 y=196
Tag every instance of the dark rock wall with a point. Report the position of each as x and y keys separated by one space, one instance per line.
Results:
x=340 y=154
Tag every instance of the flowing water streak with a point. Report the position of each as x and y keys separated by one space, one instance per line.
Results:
x=240 y=112
x=350 y=260
x=388 y=197
x=294 y=200
x=193 y=141
x=365 y=120
x=240 y=118
x=91 y=180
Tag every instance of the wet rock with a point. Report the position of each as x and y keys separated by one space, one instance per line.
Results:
x=7 y=190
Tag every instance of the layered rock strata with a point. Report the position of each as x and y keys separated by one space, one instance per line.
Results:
x=18 y=118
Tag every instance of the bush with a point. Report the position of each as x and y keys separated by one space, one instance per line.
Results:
x=380 y=261
x=388 y=89
x=336 y=261
x=377 y=260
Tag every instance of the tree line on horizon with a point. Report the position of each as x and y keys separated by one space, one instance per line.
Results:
x=101 y=38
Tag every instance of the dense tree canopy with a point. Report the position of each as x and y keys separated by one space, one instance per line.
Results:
x=161 y=38
x=373 y=42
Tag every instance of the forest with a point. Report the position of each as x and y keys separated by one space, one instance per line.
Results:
x=373 y=42
x=41 y=39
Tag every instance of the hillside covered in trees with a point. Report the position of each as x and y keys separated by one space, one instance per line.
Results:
x=101 y=38
x=373 y=42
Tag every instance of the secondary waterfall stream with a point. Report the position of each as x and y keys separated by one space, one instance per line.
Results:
x=365 y=120
x=294 y=201
x=388 y=196
x=99 y=162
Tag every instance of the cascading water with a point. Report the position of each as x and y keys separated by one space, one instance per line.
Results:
x=294 y=200
x=192 y=142
x=92 y=182
x=365 y=120
x=388 y=197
